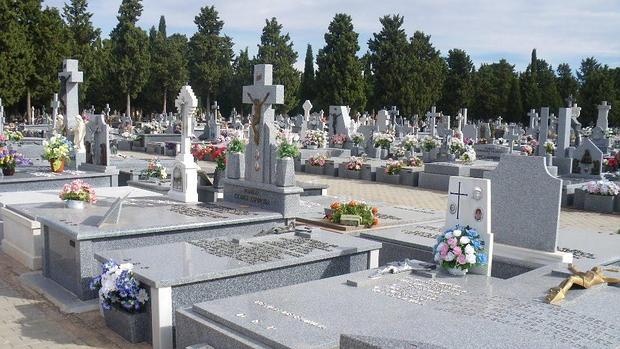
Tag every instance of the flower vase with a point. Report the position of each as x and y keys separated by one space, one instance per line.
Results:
x=312 y=146
x=384 y=154
x=285 y=172
x=75 y=204
x=217 y=179
x=60 y=168
x=134 y=327
x=235 y=165
x=8 y=171
x=451 y=157
x=337 y=146
x=457 y=271
x=426 y=156
x=549 y=159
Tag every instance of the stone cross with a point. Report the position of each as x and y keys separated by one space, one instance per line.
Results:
x=469 y=204
x=307 y=107
x=512 y=135
x=106 y=110
x=463 y=112
x=602 y=120
x=261 y=152
x=544 y=130
x=55 y=105
x=394 y=112
x=459 y=118
x=215 y=108
x=564 y=127
x=1 y=116
x=431 y=117
x=186 y=104
x=70 y=77
x=533 y=118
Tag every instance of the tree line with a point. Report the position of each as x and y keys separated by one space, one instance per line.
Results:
x=138 y=70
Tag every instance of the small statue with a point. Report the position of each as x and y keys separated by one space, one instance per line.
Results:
x=586 y=279
x=79 y=132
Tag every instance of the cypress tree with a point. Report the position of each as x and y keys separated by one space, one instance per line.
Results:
x=458 y=87
x=307 y=88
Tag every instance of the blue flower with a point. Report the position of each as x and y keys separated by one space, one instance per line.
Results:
x=481 y=258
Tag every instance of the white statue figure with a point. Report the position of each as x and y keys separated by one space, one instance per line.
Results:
x=79 y=132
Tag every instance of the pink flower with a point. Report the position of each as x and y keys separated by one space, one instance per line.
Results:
x=462 y=259
x=457 y=251
x=452 y=242
x=443 y=250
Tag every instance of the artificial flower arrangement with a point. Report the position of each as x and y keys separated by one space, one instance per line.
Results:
x=355 y=164
x=532 y=143
x=339 y=139
x=393 y=167
x=117 y=287
x=227 y=135
x=429 y=143
x=365 y=211
x=460 y=249
x=129 y=135
x=469 y=155
x=398 y=151
x=415 y=161
x=78 y=190
x=357 y=139
x=236 y=144
x=288 y=145
x=154 y=169
x=3 y=140
x=549 y=147
x=315 y=137
x=151 y=128
x=57 y=150
x=602 y=187
x=409 y=142
x=318 y=160
x=611 y=164
x=212 y=153
x=383 y=140
x=9 y=159
x=527 y=149
x=13 y=136
x=457 y=147
x=468 y=141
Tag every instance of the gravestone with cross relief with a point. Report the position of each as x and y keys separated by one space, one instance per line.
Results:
x=339 y=120
x=260 y=155
x=184 y=186
x=70 y=78
x=469 y=204
x=97 y=141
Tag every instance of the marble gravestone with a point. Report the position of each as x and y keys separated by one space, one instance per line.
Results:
x=525 y=201
x=587 y=160
x=602 y=119
x=431 y=118
x=544 y=130
x=184 y=185
x=470 y=131
x=383 y=121
x=258 y=187
x=339 y=120
x=70 y=78
x=97 y=144
x=469 y=204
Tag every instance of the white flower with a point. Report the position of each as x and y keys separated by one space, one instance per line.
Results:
x=449 y=257
x=464 y=240
x=456 y=233
x=469 y=249
x=126 y=266
x=471 y=258
x=108 y=284
x=448 y=235
x=142 y=297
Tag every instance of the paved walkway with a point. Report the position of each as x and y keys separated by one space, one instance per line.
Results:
x=29 y=321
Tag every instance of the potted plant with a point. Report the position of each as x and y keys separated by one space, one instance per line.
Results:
x=9 y=159
x=549 y=150
x=456 y=149
x=383 y=140
x=429 y=146
x=409 y=143
x=358 y=140
x=314 y=139
x=123 y=301
x=352 y=168
x=367 y=213
x=13 y=136
x=469 y=155
x=57 y=151
x=393 y=167
x=415 y=161
x=600 y=196
x=218 y=154
x=236 y=160
x=459 y=249
x=288 y=149
x=77 y=193
x=338 y=140
x=154 y=169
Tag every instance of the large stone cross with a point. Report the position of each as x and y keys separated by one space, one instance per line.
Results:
x=70 y=77
x=260 y=155
x=431 y=117
x=533 y=116
x=186 y=104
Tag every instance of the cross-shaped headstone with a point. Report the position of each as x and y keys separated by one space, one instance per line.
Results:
x=533 y=115
x=499 y=120
x=512 y=135
x=307 y=107
x=431 y=117
x=261 y=148
x=602 y=120
x=186 y=104
x=106 y=110
x=70 y=77
x=469 y=204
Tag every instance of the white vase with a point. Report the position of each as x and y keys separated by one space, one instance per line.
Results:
x=457 y=271
x=75 y=204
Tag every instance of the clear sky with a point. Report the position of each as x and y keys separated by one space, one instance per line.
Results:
x=560 y=30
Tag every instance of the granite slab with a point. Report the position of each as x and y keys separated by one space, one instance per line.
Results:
x=210 y=259
x=33 y=178
x=504 y=313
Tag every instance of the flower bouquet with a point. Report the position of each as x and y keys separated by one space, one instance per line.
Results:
x=9 y=159
x=602 y=187
x=77 y=193
x=315 y=139
x=57 y=151
x=117 y=287
x=154 y=169
x=409 y=142
x=318 y=160
x=459 y=249
x=527 y=149
x=13 y=136
x=393 y=167
x=357 y=139
x=469 y=155
x=367 y=213
x=415 y=161
x=457 y=147
x=429 y=143
x=355 y=164
x=383 y=140
x=339 y=139
x=288 y=145
x=399 y=151
x=549 y=147
x=236 y=144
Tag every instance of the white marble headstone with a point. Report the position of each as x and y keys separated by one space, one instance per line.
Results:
x=469 y=204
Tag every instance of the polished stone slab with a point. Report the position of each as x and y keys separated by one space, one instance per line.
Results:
x=34 y=178
x=315 y=314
